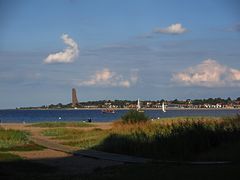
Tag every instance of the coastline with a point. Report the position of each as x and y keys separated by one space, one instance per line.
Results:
x=118 y=109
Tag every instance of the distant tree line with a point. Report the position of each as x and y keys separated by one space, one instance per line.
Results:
x=124 y=103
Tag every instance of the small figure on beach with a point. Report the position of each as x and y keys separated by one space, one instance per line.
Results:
x=89 y=120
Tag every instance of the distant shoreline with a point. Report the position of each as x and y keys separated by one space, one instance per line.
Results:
x=81 y=109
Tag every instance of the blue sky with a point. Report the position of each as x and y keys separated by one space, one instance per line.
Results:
x=111 y=49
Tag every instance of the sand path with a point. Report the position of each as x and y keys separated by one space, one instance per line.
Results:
x=64 y=161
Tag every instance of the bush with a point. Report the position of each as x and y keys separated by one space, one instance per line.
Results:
x=134 y=116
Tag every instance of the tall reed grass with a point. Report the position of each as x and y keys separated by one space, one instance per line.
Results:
x=182 y=139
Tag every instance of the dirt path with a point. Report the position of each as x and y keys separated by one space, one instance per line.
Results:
x=36 y=131
x=57 y=155
x=72 y=160
x=49 y=143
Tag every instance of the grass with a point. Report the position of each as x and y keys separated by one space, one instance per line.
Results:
x=77 y=137
x=62 y=124
x=176 y=140
x=190 y=138
x=12 y=138
x=8 y=157
x=30 y=146
x=15 y=140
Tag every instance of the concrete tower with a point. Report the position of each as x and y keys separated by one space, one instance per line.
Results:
x=74 y=98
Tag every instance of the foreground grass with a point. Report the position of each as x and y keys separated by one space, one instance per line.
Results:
x=29 y=170
x=62 y=124
x=11 y=138
x=15 y=140
x=170 y=139
x=8 y=157
x=78 y=138
x=176 y=140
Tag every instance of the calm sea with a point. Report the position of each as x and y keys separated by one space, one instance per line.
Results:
x=30 y=116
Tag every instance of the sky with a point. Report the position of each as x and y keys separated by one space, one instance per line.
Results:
x=118 y=49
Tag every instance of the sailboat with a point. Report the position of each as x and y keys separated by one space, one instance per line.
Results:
x=139 y=106
x=163 y=107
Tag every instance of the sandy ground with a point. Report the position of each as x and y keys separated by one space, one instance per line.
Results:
x=66 y=163
x=63 y=161
x=43 y=154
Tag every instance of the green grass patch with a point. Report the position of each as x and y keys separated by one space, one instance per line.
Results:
x=76 y=137
x=62 y=124
x=31 y=146
x=12 y=138
x=8 y=157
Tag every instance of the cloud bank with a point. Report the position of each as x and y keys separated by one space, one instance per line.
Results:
x=67 y=55
x=174 y=29
x=108 y=78
x=235 y=28
x=209 y=73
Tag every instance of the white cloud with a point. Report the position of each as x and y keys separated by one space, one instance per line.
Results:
x=174 y=29
x=209 y=73
x=67 y=55
x=108 y=78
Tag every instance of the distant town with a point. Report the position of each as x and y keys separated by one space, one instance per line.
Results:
x=128 y=104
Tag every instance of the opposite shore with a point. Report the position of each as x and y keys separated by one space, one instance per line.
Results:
x=127 y=109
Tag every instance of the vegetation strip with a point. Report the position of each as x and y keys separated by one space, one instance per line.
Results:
x=61 y=124
x=114 y=156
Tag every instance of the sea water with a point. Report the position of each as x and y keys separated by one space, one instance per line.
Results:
x=30 y=116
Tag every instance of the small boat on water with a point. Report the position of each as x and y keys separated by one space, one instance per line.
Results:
x=163 y=107
x=109 y=111
x=139 y=106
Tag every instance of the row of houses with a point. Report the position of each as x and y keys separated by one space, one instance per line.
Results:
x=168 y=105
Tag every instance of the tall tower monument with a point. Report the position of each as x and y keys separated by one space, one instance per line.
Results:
x=74 y=98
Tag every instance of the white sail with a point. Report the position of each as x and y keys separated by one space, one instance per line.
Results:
x=163 y=107
x=138 y=105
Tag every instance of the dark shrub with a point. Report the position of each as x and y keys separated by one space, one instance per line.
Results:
x=133 y=116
